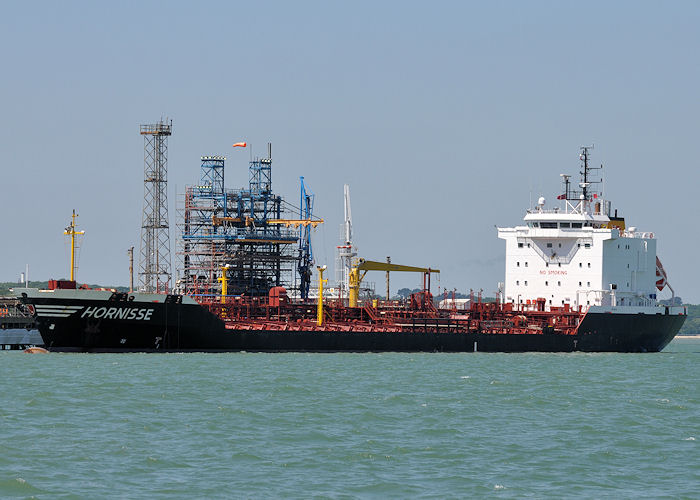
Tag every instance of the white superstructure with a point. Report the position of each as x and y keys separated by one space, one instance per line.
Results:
x=579 y=254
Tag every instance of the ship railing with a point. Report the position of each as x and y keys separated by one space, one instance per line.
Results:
x=645 y=235
x=233 y=234
x=545 y=211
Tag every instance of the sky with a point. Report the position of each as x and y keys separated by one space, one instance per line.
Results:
x=445 y=118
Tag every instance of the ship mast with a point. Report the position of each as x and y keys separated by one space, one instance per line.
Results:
x=70 y=231
x=586 y=173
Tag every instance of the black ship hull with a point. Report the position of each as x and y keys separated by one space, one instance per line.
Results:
x=181 y=327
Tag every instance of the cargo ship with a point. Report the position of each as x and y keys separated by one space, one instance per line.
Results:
x=576 y=279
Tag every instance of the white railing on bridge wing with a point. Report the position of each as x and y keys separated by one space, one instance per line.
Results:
x=645 y=235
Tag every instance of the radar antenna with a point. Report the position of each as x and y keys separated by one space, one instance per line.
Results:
x=586 y=172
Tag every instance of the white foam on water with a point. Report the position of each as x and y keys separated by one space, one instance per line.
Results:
x=691 y=438
x=465 y=376
x=499 y=487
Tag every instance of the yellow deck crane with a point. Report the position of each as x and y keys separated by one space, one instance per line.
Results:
x=319 y=308
x=358 y=272
x=249 y=221
x=224 y=283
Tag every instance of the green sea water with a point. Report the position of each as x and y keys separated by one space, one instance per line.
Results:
x=244 y=425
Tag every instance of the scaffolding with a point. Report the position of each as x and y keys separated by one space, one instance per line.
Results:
x=246 y=233
x=154 y=271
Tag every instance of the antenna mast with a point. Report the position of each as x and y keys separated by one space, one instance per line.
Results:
x=70 y=231
x=154 y=270
x=586 y=172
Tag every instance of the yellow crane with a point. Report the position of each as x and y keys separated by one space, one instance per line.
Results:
x=319 y=305
x=249 y=221
x=295 y=223
x=224 y=283
x=358 y=272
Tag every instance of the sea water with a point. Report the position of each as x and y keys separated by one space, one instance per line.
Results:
x=243 y=425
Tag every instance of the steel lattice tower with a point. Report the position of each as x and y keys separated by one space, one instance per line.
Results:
x=154 y=266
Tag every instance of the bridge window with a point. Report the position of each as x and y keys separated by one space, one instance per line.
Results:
x=548 y=225
x=576 y=225
x=564 y=224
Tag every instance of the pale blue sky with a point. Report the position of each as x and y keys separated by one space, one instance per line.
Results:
x=442 y=117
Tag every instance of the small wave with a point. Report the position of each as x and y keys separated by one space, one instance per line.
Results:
x=17 y=486
x=465 y=376
x=691 y=438
x=499 y=487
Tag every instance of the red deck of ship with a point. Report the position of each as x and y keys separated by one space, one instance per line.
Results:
x=415 y=314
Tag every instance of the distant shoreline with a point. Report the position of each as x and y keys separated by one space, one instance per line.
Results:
x=694 y=336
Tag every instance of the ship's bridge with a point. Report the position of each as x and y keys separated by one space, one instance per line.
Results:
x=554 y=219
x=573 y=215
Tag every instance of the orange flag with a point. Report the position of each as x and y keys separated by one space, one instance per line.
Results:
x=240 y=145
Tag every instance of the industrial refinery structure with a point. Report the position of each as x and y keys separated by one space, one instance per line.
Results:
x=248 y=240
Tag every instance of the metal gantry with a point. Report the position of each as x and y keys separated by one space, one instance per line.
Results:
x=154 y=265
x=306 y=255
x=244 y=238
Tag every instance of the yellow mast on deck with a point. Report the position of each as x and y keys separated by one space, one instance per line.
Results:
x=224 y=283
x=70 y=231
x=319 y=309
